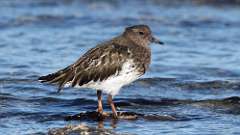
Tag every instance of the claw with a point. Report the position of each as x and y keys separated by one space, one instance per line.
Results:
x=115 y=116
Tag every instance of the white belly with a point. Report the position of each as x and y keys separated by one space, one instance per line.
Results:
x=113 y=84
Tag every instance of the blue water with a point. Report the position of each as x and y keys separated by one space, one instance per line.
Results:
x=195 y=77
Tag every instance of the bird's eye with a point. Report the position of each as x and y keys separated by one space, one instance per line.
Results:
x=141 y=33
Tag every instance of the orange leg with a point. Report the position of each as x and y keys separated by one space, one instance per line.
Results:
x=100 y=107
x=115 y=115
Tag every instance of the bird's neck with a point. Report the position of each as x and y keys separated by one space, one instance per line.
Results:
x=123 y=40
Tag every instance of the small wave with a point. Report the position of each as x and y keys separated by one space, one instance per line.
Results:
x=191 y=85
x=156 y=81
x=15 y=80
x=20 y=66
x=207 y=22
x=7 y=97
x=141 y=101
x=217 y=2
x=229 y=105
x=36 y=116
x=209 y=85
x=42 y=20
x=166 y=101
x=62 y=102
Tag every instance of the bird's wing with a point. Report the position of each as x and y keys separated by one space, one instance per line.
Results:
x=97 y=64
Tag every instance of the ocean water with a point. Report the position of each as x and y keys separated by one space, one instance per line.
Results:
x=194 y=79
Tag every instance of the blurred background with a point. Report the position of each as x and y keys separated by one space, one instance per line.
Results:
x=193 y=78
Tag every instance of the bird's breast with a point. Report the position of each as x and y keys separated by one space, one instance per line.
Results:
x=141 y=58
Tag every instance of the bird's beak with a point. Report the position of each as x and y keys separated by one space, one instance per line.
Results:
x=157 y=41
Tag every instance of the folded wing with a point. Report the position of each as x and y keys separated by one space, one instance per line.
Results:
x=96 y=65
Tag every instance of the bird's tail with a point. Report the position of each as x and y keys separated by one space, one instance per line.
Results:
x=60 y=77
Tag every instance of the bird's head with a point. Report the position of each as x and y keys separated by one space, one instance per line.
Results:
x=141 y=35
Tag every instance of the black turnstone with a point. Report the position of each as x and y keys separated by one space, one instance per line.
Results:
x=110 y=65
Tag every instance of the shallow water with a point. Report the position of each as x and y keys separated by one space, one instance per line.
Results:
x=195 y=77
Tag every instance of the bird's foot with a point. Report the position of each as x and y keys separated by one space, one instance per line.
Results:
x=102 y=115
x=115 y=115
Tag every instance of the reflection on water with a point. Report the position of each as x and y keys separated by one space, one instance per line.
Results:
x=193 y=80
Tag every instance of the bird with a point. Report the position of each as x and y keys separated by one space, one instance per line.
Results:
x=109 y=66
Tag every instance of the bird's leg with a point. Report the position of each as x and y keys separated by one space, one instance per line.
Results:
x=100 y=108
x=112 y=106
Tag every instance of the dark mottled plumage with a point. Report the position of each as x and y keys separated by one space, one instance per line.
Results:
x=100 y=63
x=103 y=61
x=107 y=59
